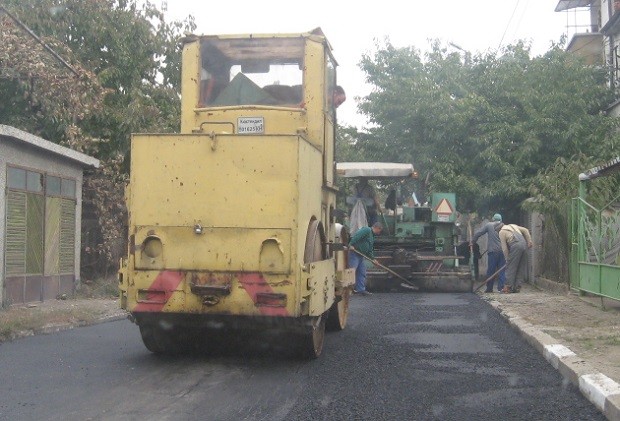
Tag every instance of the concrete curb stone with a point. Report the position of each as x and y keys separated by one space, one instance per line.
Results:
x=612 y=405
x=600 y=390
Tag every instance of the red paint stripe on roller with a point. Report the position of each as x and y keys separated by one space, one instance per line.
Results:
x=255 y=283
x=167 y=281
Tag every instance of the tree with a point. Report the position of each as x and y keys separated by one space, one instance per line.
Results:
x=44 y=88
x=126 y=60
x=552 y=191
x=133 y=52
x=483 y=125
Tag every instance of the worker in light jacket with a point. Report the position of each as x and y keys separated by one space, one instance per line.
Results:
x=515 y=241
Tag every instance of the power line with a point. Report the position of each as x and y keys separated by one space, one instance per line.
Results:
x=508 y=24
x=527 y=3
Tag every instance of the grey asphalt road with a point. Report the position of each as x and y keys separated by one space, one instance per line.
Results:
x=402 y=357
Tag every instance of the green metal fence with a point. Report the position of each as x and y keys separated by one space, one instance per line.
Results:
x=595 y=247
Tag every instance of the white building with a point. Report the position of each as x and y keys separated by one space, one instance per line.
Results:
x=598 y=39
x=40 y=217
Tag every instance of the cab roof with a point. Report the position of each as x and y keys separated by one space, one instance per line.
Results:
x=374 y=169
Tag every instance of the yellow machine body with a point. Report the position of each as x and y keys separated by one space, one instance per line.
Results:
x=234 y=216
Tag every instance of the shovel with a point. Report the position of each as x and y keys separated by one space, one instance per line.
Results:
x=489 y=278
x=374 y=262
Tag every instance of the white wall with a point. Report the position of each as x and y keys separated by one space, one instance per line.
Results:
x=16 y=153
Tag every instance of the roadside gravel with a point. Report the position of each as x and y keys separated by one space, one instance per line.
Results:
x=587 y=325
x=53 y=315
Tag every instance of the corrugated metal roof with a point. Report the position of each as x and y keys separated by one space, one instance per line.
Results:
x=572 y=4
x=605 y=169
x=38 y=142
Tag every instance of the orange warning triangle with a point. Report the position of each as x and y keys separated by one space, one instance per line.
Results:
x=444 y=207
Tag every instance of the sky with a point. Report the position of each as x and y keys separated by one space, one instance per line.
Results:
x=353 y=28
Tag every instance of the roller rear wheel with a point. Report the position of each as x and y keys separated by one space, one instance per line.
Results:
x=339 y=312
x=313 y=337
x=315 y=240
x=313 y=331
x=158 y=340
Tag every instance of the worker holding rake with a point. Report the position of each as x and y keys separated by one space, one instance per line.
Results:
x=363 y=241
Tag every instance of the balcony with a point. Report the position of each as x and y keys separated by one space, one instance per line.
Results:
x=588 y=45
x=583 y=21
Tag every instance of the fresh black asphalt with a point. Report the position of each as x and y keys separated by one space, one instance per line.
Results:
x=403 y=356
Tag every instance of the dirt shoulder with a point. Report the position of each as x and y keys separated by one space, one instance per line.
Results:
x=49 y=316
x=588 y=325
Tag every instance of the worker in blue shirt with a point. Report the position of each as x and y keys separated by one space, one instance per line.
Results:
x=495 y=256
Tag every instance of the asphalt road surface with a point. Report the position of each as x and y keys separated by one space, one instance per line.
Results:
x=403 y=356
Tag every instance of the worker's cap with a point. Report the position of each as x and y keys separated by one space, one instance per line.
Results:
x=497 y=217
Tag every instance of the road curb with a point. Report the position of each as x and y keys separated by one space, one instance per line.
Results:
x=600 y=390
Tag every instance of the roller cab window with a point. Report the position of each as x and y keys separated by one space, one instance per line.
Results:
x=260 y=71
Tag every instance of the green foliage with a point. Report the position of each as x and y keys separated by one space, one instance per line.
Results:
x=122 y=77
x=484 y=125
x=134 y=54
x=46 y=91
x=554 y=188
x=346 y=145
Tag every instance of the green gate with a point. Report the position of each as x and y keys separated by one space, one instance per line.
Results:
x=595 y=240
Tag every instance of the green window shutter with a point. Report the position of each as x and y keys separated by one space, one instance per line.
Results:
x=34 y=233
x=15 y=257
x=52 y=236
x=67 y=236
x=40 y=234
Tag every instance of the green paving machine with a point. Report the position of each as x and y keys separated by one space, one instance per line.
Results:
x=419 y=247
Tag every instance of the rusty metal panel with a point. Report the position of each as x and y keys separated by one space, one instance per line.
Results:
x=321 y=283
x=14 y=289
x=53 y=286
x=50 y=287
x=66 y=284
x=33 y=288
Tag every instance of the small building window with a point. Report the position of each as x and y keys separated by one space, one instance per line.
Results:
x=68 y=188
x=16 y=178
x=52 y=186
x=34 y=182
x=20 y=179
